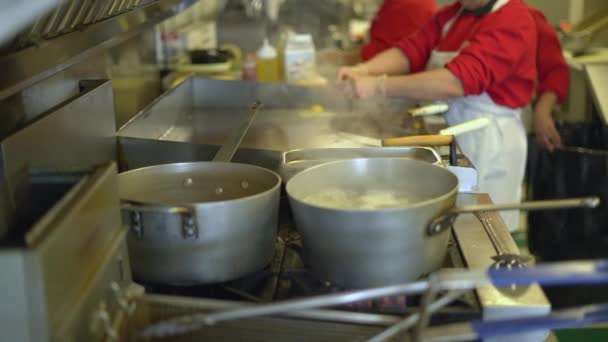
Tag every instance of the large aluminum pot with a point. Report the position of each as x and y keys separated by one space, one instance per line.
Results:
x=382 y=221
x=199 y=223
x=368 y=248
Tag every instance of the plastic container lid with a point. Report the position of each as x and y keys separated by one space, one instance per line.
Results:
x=267 y=51
x=302 y=38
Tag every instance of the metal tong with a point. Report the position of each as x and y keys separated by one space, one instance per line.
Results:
x=453 y=280
x=503 y=258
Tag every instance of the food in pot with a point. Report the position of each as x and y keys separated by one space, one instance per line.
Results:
x=351 y=199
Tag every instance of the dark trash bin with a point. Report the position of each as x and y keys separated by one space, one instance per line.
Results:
x=579 y=170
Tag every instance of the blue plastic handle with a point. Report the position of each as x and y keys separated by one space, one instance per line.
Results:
x=571 y=318
x=553 y=274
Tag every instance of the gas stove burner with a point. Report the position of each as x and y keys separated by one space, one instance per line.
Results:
x=249 y=288
x=389 y=305
x=289 y=277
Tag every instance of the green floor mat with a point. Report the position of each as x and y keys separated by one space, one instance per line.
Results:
x=586 y=335
x=521 y=238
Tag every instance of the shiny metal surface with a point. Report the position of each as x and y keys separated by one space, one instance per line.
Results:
x=209 y=305
x=477 y=250
x=112 y=271
x=76 y=239
x=63 y=258
x=233 y=142
x=448 y=279
x=503 y=258
x=407 y=323
x=235 y=210
x=188 y=122
x=587 y=202
x=446 y=220
x=450 y=333
x=71 y=14
x=597 y=76
x=153 y=309
x=134 y=82
x=289 y=306
x=197 y=112
x=299 y=160
x=76 y=136
x=26 y=67
x=367 y=248
x=23 y=310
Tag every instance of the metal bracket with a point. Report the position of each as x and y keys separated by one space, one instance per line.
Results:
x=122 y=299
x=136 y=226
x=189 y=226
x=453 y=154
x=189 y=229
x=101 y=322
x=441 y=223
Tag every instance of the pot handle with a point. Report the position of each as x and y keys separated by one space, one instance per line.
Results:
x=445 y=221
x=585 y=202
x=189 y=226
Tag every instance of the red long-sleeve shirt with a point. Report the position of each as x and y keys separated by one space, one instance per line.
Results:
x=397 y=19
x=499 y=56
x=553 y=71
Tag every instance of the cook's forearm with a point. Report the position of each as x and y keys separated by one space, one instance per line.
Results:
x=433 y=85
x=545 y=103
x=389 y=62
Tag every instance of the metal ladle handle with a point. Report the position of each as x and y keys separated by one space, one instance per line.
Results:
x=228 y=149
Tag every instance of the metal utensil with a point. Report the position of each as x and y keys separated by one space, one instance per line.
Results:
x=502 y=258
x=411 y=320
x=229 y=148
x=562 y=273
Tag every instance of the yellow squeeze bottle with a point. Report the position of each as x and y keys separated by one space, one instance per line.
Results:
x=268 y=69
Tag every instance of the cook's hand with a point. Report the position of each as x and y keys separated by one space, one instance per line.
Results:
x=546 y=133
x=347 y=73
x=366 y=86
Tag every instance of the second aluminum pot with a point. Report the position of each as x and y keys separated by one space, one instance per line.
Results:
x=359 y=248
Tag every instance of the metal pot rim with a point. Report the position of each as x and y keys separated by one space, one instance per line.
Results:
x=443 y=197
x=278 y=183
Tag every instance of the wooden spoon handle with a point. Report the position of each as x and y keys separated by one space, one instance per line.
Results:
x=419 y=140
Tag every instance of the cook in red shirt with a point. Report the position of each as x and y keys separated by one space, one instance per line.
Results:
x=397 y=19
x=553 y=81
x=479 y=56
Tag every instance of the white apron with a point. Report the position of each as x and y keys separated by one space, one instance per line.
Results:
x=498 y=151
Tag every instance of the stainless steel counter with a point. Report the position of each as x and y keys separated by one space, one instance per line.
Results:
x=204 y=111
x=190 y=121
x=597 y=75
x=282 y=129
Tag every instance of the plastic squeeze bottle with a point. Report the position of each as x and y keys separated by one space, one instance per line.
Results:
x=268 y=69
